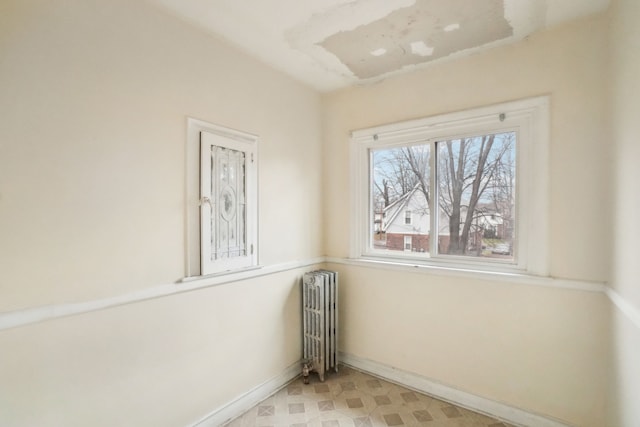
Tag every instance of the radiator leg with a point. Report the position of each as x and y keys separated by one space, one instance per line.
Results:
x=305 y=373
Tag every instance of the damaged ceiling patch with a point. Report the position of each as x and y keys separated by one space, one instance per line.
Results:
x=452 y=27
x=424 y=31
x=421 y=49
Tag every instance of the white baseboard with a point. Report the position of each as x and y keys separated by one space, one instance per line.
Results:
x=460 y=398
x=248 y=400
x=501 y=411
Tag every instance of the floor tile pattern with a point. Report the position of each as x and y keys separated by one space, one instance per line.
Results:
x=355 y=399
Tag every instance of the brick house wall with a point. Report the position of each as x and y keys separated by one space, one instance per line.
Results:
x=419 y=242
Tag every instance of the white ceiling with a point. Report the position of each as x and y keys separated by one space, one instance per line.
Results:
x=330 y=44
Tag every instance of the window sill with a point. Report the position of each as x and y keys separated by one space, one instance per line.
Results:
x=195 y=282
x=225 y=276
x=514 y=277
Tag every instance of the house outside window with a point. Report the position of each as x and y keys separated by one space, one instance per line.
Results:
x=472 y=185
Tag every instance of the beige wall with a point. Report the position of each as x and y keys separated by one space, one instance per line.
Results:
x=544 y=350
x=94 y=107
x=165 y=362
x=625 y=97
x=94 y=98
x=625 y=130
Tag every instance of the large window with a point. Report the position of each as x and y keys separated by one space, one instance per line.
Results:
x=223 y=211
x=466 y=189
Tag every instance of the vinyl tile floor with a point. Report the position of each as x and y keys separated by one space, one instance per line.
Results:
x=355 y=399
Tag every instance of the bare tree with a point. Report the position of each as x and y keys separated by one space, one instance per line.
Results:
x=503 y=191
x=417 y=157
x=475 y=178
x=467 y=168
x=382 y=188
x=399 y=170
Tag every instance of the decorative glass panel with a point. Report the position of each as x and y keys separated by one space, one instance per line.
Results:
x=228 y=203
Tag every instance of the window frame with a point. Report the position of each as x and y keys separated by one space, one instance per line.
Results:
x=196 y=265
x=529 y=118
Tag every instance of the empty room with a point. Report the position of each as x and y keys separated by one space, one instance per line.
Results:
x=171 y=169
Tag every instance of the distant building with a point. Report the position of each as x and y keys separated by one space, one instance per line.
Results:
x=405 y=225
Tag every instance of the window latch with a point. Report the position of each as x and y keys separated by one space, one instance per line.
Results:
x=205 y=200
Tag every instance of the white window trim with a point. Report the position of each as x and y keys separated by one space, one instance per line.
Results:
x=529 y=117
x=193 y=208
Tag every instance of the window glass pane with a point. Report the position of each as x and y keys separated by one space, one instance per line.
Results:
x=400 y=198
x=228 y=202
x=476 y=196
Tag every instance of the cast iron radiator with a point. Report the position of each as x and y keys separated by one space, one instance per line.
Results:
x=320 y=323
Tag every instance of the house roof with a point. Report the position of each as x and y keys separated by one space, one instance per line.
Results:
x=392 y=211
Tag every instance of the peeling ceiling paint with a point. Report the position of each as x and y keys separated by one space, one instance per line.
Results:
x=416 y=34
x=330 y=44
